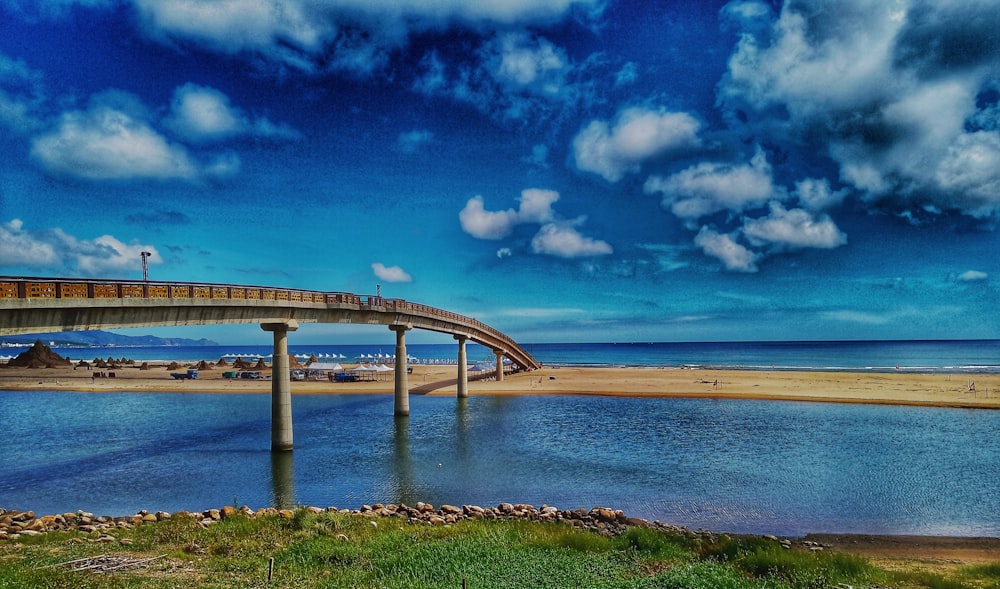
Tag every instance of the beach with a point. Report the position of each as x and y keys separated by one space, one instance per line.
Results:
x=936 y=389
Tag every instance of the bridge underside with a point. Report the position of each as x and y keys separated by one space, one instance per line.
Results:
x=24 y=317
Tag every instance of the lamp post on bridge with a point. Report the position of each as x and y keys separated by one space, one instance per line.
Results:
x=145 y=266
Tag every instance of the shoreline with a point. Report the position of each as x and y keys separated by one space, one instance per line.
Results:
x=885 y=550
x=930 y=389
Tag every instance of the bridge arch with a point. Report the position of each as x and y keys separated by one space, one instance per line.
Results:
x=39 y=305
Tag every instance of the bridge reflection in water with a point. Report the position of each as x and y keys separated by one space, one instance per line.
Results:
x=40 y=305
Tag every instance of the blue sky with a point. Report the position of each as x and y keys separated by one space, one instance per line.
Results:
x=591 y=170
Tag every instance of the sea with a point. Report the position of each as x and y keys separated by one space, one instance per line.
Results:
x=742 y=466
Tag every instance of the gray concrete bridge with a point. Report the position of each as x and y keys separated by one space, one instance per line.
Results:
x=38 y=305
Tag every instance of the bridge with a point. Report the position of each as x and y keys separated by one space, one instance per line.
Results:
x=39 y=305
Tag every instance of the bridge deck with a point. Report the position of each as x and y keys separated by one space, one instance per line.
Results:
x=36 y=305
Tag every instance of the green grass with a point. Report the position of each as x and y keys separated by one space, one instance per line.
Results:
x=336 y=550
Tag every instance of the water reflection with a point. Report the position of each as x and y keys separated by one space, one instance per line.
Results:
x=402 y=462
x=283 y=480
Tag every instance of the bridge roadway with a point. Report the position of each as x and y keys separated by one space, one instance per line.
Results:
x=39 y=305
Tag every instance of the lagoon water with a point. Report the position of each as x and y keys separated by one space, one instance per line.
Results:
x=741 y=466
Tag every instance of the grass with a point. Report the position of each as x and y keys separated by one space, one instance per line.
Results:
x=338 y=550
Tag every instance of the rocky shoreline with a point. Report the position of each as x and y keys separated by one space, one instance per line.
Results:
x=602 y=520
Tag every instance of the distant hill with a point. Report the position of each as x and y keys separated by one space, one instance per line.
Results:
x=104 y=338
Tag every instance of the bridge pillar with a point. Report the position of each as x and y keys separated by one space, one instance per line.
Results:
x=463 y=368
x=401 y=405
x=281 y=387
x=499 y=354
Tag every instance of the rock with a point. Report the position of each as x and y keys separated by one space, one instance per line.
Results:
x=125 y=541
x=227 y=511
x=149 y=518
x=213 y=514
x=451 y=509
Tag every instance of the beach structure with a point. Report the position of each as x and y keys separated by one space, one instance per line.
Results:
x=39 y=305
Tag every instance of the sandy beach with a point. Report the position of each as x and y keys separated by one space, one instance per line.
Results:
x=898 y=388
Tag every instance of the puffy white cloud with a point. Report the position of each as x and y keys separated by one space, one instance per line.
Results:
x=711 y=187
x=201 y=114
x=534 y=65
x=20 y=248
x=316 y=35
x=795 y=228
x=104 y=143
x=54 y=248
x=109 y=254
x=535 y=207
x=973 y=276
x=637 y=135
x=815 y=194
x=390 y=273
x=483 y=224
x=890 y=91
x=555 y=236
x=723 y=247
x=563 y=240
x=115 y=139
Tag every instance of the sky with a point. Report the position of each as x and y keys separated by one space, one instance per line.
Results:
x=562 y=170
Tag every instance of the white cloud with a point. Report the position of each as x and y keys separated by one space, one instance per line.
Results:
x=710 y=187
x=973 y=276
x=20 y=248
x=316 y=35
x=483 y=224
x=902 y=119
x=555 y=236
x=530 y=64
x=104 y=143
x=795 y=228
x=563 y=240
x=723 y=247
x=56 y=249
x=390 y=273
x=201 y=114
x=535 y=207
x=815 y=194
x=109 y=254
x=637 y=135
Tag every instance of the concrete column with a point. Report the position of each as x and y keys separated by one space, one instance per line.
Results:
x=401 y=390
x=281 y=387
x=463 y=368
x=499 y=354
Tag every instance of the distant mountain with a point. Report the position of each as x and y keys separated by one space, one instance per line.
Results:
x=104 y=338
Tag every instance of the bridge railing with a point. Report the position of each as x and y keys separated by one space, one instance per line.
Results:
x=81 y=288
